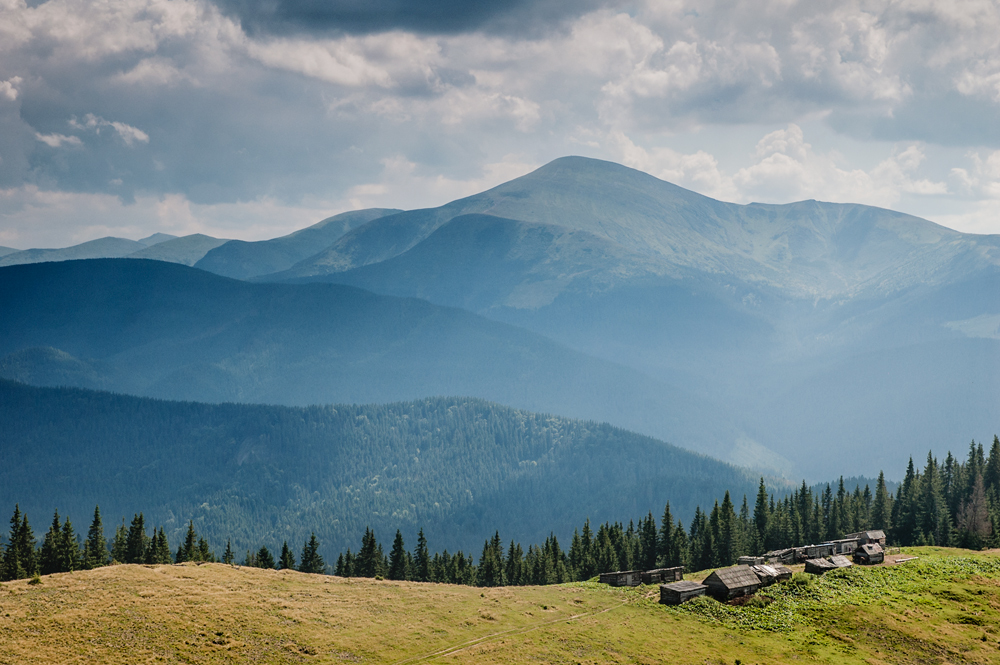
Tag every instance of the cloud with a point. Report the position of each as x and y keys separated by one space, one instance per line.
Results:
x=58 y=140
x=8 y=88
x=290 y=100
x=419 y=16
x=129 y=134
x=787 y=168
x=33 y=217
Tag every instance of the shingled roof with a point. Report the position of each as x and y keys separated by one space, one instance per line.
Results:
x=734 y=578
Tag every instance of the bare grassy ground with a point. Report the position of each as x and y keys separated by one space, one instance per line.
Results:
x=213 y=613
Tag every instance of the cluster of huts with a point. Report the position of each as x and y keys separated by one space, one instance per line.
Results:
x=752 y=573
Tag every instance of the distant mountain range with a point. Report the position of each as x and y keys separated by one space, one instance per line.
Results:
x=459 y=468
x=232 y=258
x=808 y=338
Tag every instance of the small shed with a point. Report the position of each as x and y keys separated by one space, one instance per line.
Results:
x=780 y=556
x=768 y=575
x=840 y=561
x=875 y=537
x=815 y=551
x=868 y=555
x=750 y=561
x=680 y=592
x=784 y=574
x=732 y=582
x=819 y=566
x=663 y=575
x=846 y=545
x=622 y=578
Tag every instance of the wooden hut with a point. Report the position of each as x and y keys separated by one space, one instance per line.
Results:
x=815 y=551
x=868 y=537
x=734 y=582
x=840 y=561
x=846 y=545
x=819 y=566
x=768 y=575
x=750 y=561
x=780 y=556
x=622 y=578
x=868 y=555
x=663 y=575
x=679 y=592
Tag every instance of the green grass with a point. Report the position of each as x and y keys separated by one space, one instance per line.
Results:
x=941 y=608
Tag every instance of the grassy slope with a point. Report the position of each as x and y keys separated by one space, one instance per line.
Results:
x=942 y=608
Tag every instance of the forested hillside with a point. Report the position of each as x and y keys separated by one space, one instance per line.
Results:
x=165 y=330
x=460 y=468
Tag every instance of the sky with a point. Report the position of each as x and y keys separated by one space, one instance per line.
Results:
x=252 y=118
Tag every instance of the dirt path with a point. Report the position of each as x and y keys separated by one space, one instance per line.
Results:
x=455 y=648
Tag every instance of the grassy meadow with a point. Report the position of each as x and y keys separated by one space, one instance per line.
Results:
x=943 y=607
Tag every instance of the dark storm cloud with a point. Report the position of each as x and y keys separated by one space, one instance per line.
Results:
x=515 y=17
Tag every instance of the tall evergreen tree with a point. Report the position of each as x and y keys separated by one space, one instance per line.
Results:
x=188 y=550
x=136 y=542
x=69 y=548
x=19 y=560
x=95 y=550
x=48 y=560
x=665 y=541
x=311 y=561
x=119 y=546
x=228 y=557
x=882 y=506
x=286 y=561
x=398 y=568
x=264 y=558
x=421 y=559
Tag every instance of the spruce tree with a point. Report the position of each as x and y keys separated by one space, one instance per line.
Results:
x=119 y=546
x=286 y=561
x=311 y=561
x=882 y=506
x=96 y=548
x=991 y=476
x=69 y=548
x=228 y=557
x=367 y=563
x=19 y=560
x=761 y=514
x=397 y=559
x=136 y=542
x=188 y=550
x=421 y=560
x=48 y=560
x=264 y=558
x=203 y=552
x=665 y=541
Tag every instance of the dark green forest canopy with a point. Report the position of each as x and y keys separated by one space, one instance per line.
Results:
x=460 y=468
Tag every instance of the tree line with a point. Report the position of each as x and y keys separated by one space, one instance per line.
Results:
x=953 y=503
x=61 y=550
x=949 y=503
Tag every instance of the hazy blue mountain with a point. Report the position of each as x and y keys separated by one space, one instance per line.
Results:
x=244 y=260
x=149 y=241
x=159 y=246
x=4 y=251
x=809 y=248
x=187 y=250
x=457 y=467
x=164 y=330
x=827 y=333
x=101 y=248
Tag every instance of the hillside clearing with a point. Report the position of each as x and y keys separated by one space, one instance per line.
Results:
x=941 y=608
